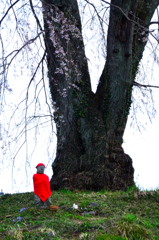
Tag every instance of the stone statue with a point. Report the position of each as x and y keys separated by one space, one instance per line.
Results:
x=42 y=191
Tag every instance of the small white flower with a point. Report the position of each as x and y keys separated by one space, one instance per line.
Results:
x=75 y=206
x=83 y=235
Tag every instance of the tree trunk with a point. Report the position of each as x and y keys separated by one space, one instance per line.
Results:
x=90 y=126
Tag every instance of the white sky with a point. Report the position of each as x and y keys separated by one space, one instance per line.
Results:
x=141 y=145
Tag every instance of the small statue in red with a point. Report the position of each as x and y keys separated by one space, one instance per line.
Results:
x=42 y=191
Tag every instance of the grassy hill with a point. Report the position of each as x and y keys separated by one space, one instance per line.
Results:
x=100 y=215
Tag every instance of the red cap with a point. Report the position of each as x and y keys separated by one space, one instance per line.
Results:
x=40 y=164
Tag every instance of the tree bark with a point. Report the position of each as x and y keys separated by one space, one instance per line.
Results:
x=90 y=126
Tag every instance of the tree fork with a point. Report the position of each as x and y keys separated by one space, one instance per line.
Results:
x=90 y=126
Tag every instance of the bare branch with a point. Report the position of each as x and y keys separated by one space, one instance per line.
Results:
x=20 y=49
x=8 y=11
x=144 y=85
x=44 y=86
x=42 y=59
x=153 y=23
x=37 y=20
x=95 y=9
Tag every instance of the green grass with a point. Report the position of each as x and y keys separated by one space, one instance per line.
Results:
x=129 y=215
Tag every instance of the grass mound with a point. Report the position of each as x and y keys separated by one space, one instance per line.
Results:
x=130 y=215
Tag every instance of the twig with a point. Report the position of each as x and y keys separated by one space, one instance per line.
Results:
x=8 y=11
x=144 y=85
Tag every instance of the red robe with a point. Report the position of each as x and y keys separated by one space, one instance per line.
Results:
x=42 y=186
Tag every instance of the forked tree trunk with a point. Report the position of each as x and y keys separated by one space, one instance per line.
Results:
x=90 y=126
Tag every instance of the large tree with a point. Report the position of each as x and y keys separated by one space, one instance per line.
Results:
x=90 y=126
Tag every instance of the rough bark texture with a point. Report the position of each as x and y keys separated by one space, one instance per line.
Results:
x=90 y=126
